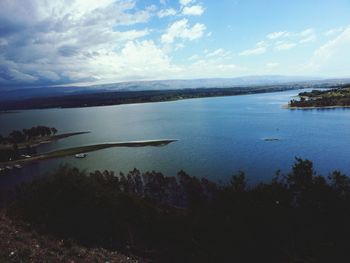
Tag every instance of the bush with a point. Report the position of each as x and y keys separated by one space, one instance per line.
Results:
x=297 y=217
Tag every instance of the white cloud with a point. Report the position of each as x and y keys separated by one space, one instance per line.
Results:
x=185 y=2
x=307 y=32
x=253 y=51
x=333 y=31
x=193 y=57
x=219 y=53
x=261 y=44
x=308 y=35
x=332 y=58
x=136 y=60
x=285 y=46
x=181 y=29
x=307 y=39
x=304 y=36
x=260 y=48
x=166 y=12
x=179 y=46
x=272 y=64
x=195 y=10
x=275 y=35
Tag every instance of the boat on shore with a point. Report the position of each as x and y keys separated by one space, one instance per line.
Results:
x=80 y=155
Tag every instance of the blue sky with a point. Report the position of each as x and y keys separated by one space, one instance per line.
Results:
x=91 y=41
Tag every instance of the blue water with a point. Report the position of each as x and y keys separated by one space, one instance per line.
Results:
x=217 y=136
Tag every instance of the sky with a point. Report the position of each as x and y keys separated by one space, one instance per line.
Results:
x=61 y=42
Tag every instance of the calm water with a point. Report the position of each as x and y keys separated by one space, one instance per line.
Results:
x=217 y=136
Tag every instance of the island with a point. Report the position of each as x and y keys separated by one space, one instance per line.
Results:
x=332 y=98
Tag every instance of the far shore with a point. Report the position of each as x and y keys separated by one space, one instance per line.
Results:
x=135 y=97
x=85 y=149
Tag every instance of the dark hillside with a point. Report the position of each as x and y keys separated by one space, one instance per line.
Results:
x=298 y=217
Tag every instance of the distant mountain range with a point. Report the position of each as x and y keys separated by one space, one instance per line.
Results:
x=248 y=81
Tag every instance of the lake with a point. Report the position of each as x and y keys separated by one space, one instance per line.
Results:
x=217 y=137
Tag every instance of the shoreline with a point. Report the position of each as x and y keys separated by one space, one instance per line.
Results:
x=87 y=148
x=43 y=140
x=165 y=96
x=286 y=106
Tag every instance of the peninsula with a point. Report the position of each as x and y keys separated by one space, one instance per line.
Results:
x=326 y=99
x=86 y=148
x=21 y=144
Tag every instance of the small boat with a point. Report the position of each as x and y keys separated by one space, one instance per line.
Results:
x=2 y=170
x=17 y=166
x=8 y=167
x=81 y=155
x=271 y=139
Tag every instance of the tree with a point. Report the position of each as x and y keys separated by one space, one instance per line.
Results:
x=302 y=174
x=17 y=136
x=54 y=130
x=238 y=182
x=339 y=182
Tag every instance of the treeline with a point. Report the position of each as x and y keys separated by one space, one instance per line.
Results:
x=297 y=217
x=125 y=97
x=328 y=98
x=25 y=135
x=10 y=149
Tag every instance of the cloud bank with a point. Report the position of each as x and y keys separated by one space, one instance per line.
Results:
x=102 y=41
x=87 y=41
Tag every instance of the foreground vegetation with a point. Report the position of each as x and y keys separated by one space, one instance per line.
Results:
x=297 y=217
x=18 y=243
x=339 y=97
